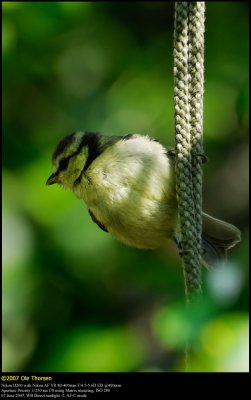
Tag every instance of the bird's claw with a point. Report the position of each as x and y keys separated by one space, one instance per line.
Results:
x=203 y=157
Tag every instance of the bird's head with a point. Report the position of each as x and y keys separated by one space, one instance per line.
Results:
x=71 y=158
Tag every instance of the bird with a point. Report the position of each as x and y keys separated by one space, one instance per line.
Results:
x=128 y=185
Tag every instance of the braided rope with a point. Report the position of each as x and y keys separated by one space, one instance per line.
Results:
x=188 y=101
x=196 y=91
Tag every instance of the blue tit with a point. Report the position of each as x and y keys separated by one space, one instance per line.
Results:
x=128 y=185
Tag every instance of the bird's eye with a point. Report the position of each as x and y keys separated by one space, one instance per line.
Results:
x=63 y=164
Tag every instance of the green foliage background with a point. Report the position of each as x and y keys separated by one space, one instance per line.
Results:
x=74 y=299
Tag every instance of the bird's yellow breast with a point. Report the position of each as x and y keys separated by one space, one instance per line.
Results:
x=130 y=189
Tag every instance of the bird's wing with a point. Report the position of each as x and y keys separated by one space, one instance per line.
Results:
x=96 y=221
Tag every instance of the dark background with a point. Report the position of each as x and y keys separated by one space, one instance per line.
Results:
x=74 y=299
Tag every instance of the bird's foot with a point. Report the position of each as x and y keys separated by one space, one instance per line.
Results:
x=203 y=157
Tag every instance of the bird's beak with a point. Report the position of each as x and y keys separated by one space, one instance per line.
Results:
x=52 y=179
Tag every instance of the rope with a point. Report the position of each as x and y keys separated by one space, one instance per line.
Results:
x=188 y=102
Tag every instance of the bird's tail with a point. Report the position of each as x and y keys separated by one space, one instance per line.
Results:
x=217 y=237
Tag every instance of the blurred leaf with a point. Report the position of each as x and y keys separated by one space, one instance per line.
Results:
x=8 y=37
x=176 y=324
x=243 y=108
x=98 y=349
